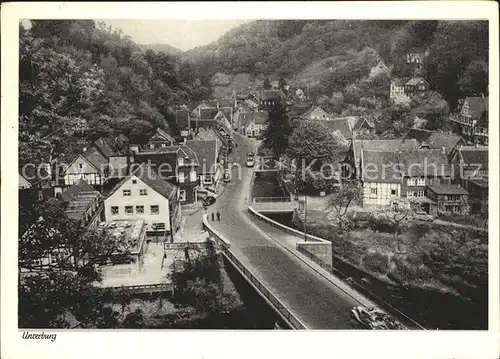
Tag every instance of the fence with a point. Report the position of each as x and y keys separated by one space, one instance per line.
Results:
x=286 y=315
x=183 y=245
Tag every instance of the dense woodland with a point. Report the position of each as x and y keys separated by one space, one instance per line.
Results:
x=81 y=80
x=457 y=64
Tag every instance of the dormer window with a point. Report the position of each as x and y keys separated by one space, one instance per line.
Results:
x=181 y=161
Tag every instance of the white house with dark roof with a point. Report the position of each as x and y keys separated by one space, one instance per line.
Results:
x=145 y=195
x=397 y=88
x=90 y=165
x=253 y=124
x=316 y=113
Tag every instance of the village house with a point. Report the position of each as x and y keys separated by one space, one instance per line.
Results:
x=472 y=119
x=209 y=118
x=416 y=86
x=144 y=195
x=397 y=88
x=471 y=172
x=316 y=113
x=449 y=199
x=182 y=118
x=417 y=58
x=354 y=154
x=387 y=175
x=242 y=95
x=176 y=164
x=207 y=154
x=83 y=203
x=253 y=124
x=89 y=165
x=159 y=139
x=379 y=69
x=435 y=140
x=271 y=99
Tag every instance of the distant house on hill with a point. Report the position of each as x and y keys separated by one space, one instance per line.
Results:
x=379 y=69
x=316 y=113
x=416 y=86
x=417 y=58
x=397 y=88
x=473 y=119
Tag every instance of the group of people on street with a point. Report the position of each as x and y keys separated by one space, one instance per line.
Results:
x=216 y=214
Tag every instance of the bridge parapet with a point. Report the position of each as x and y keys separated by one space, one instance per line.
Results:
x=269 y=297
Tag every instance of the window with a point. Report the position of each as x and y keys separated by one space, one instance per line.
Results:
x=181 y=177
x=155 y=209
x=394 y=192
x=143 y=192
x=420 y=193
x=192 y=176
x=421 y=182
x=207 y=179
x=181 y=161
x=134 y=181
x=182 y=195
x=129 y=209
x=80 y=165
x=114 y=210
x=409 y=193
x=126 y=193
x=139 y=209
x=411 y=182
x=373 y=191
x=163 y=145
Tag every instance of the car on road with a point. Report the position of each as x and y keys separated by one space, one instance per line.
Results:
x=227 y=175
x=250 y=159
x=423 y=217
x=373 y=318
x=208 y=201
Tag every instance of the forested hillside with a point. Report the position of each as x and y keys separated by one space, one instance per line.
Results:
x=81 y=80
x=335 y=54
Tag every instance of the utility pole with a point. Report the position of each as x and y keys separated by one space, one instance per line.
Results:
x=305 y=217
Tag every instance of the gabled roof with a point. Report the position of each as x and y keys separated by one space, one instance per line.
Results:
x=381 y=145
x=447 y=189
x=251 y=104
x=397 y=82
x=23 y=182
x=206 y=153
x=80 y=197
x=95 y=158
x=415 y=81
x=474 y=156
x=164 y=135
x=434 y=139
x=315 y=108
x=212 y=103
x=362 y=122
x=477 y=105
x=390 y=166
x=208 y=113
x=259 y=117
x=104 y=147
x=208 y=134
x=150 y=177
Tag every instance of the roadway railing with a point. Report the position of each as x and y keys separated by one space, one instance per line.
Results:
x=271 y=199
x=285 y=313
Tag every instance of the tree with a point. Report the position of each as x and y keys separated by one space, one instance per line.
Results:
x=340 y=202
x=65 y=283
x=277 y=131
x=398 y=214
x=474 y=79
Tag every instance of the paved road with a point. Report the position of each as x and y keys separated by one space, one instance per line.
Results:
x=316 y=301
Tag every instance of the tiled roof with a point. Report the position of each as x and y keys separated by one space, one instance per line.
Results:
x=208 y=134
x=208 y=113
x=165 y=135
x=448 y=189
x=359 y=124
x=475 y=155
x=251 y=104
x=206 y=153
x=389 y=166
x=414 y=81
x=80 y=197
x=226 y=102
x=436 y=140
x=477 y=105
x=381 y=145
x=104 y=147
x=260 y=117
x=149 y=176
x=95 y=158
x=312 y=109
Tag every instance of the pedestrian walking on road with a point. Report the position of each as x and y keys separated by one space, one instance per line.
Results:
x=218 y=216
x=213 y=216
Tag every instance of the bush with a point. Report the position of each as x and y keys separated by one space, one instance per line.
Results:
x=376 y=262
